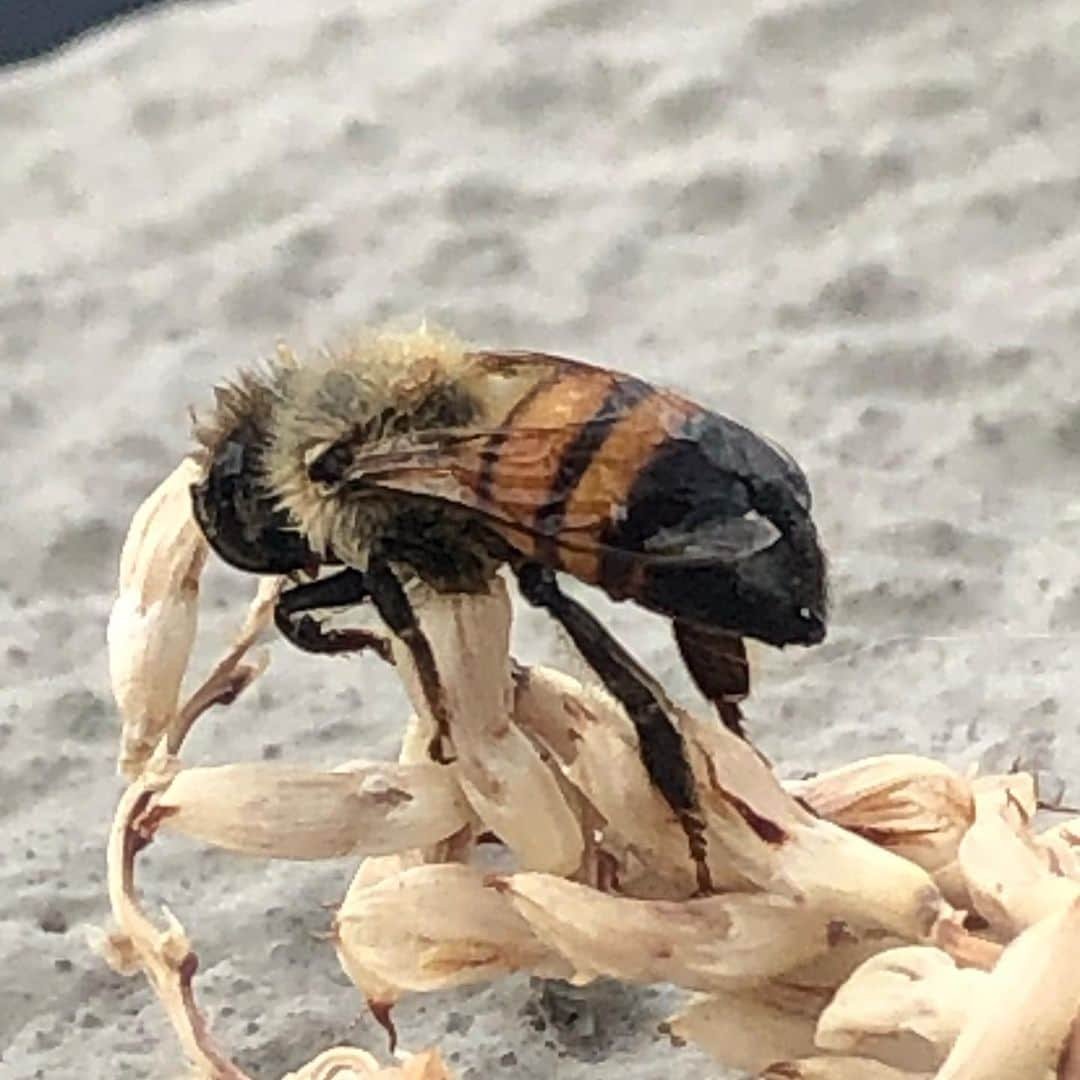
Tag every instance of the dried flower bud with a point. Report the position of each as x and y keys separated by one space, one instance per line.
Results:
x=702 y=944
x=913 y=806
x=292 y=812
x=432 y=927
x=1009 y=876
x=153 y=619
x=904 y=1006
x=588 y=734
x=512 y=788
x=749 y=1029
x=1018 y=1028
x=779 y=846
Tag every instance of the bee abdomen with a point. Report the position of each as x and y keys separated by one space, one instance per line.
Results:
x=569 y=485
x=701 y=535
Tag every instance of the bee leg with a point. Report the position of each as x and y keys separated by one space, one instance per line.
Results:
x=717 y=663
x=392 y=603
x=663 y=751
x=342 y=589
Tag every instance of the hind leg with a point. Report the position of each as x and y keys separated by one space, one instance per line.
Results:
x=663 y=751
x=718 y=665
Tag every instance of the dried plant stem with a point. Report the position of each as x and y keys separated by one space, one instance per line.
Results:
x=230 y=676
x=166 y=955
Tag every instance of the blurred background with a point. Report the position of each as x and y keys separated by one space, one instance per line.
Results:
x=850 y=224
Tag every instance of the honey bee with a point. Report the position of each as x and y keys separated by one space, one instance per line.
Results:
x=410 y=455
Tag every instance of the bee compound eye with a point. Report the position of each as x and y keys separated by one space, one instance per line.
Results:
x=331 y=465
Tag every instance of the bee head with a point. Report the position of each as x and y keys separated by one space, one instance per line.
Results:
x=237 y=512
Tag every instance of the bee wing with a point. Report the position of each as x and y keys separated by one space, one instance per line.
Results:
x=558 y=467
x=574 y=485
x=506 y=474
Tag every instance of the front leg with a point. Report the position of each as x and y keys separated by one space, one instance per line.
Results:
x=343 y=589
x=663 y=751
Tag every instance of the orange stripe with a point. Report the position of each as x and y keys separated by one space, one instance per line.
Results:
x=527 y=464
x=605 y=487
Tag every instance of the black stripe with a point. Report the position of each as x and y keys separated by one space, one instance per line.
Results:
x=578 y=455
x=655 y=501
x=489 y=456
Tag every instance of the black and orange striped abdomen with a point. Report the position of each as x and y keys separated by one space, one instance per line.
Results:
x=657 y=500
x=558 y=473
x=631 y=488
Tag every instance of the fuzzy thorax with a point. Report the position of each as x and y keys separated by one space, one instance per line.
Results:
x=370 y=389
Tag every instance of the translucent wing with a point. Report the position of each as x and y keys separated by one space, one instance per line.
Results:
x=650 y=474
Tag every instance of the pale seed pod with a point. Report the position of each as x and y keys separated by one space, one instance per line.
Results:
x=782 y=848
x=912 y=806
x=751 y=1028
x=503 y=774
x=1019 y=1028
x=432 y=927
x=153 y=620
x=702 y=944
x=589 y=736
x=904 y=1006
x=292 y=812
x=1009 y=876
